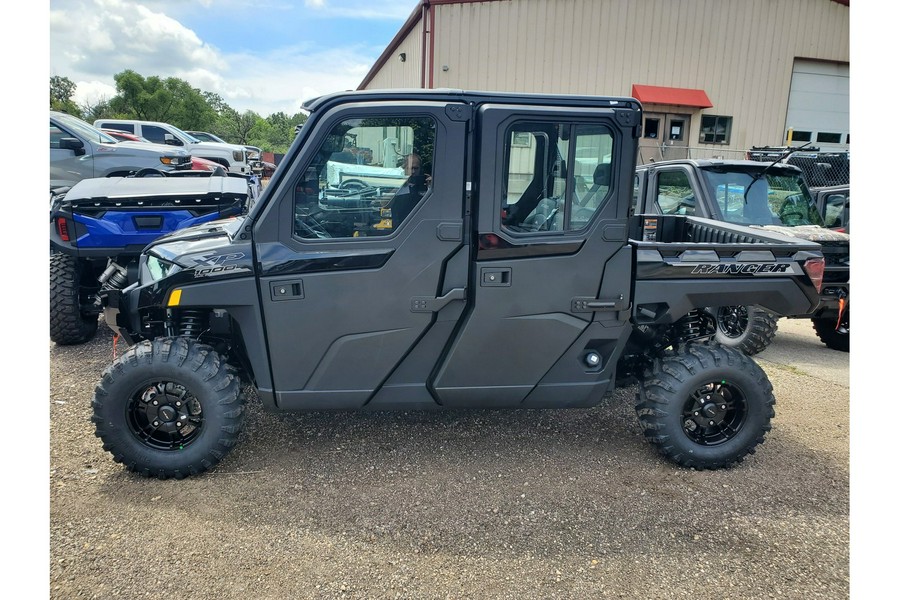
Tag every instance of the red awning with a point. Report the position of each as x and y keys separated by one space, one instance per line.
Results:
x=654 y=94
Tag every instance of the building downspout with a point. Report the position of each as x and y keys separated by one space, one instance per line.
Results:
x=425 y=32
x=431 y=44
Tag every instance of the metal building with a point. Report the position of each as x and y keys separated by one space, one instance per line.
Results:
x=716 y=77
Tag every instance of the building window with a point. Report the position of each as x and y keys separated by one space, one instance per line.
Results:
x=715 y=129
x=521 y=139
x=651 y=128
x=828 y=138
x=802 y=136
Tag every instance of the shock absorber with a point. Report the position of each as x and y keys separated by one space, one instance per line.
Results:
x=114 y=277
x=192 y=323
x=695 y=325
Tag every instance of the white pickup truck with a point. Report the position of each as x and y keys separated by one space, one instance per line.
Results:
x=231 y=156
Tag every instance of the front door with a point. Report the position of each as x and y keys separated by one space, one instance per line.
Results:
x=363 y=262
x=665 y=137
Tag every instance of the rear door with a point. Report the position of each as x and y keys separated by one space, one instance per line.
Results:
x=550 y=287
x=363 y=265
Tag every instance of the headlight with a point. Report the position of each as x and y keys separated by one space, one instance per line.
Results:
x=174 y=160
x=158 y=268
x=238 y=155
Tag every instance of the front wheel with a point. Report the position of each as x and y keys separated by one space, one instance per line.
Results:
x=706 y=407
x=71 y=322
x=749 y=329
x=833 y=334
x=170 y=407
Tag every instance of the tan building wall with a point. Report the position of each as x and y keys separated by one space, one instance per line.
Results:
x=740 y=52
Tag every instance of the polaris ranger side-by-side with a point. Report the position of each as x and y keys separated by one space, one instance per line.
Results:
x=99 y=226
x=504 y=272
x=764 y=196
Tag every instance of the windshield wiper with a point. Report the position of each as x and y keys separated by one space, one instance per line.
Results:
x=759 y=175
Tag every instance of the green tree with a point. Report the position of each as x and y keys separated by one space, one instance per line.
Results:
x=237 y=126
x=169 y=100
x=61 y=91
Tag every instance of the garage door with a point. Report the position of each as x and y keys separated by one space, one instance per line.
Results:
x=819 y=104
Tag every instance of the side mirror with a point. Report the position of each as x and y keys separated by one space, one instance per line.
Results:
x=74 y=144
x=171 y=140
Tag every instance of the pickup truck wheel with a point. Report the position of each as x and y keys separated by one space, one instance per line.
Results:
x=748 y=328
x=169 y=407
x=706 y=407
x=834 y=336
x=69 y=324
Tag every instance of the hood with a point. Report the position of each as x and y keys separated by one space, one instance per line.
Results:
x=151 y=148
x=218 y=147
x=811 y=233
x=207 y=238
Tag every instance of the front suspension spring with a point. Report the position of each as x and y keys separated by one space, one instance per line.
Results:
x=192 y=323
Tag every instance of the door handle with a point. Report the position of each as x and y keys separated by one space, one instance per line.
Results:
x=599 y=305
x=434 y=304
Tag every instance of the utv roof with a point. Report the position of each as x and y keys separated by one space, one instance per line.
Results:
x=476 y=97
x=713 y=163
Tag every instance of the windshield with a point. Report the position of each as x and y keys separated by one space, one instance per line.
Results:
x=777 y=198
x=85 y=130
x=186 y=135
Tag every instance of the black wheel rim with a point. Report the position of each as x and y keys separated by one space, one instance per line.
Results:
x=714 y=413
x=164 y=415
x=733 y=320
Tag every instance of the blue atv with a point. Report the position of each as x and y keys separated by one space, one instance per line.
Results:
x=99 y=226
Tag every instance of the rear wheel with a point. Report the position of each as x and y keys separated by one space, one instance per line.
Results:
x=833 y=334
x=706 y=407
x=70 y=321
x=170 y=407
x=749 y=329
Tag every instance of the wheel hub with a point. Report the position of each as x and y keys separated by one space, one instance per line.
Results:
x=165 y=416
x=732 y=320
x=713 y=414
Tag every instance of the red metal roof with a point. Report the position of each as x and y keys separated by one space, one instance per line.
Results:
x=654 y=94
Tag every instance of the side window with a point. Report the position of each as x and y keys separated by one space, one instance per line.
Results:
x=556 y=175
x=674 y=195
x=56 y=134
x=834 y=210
x=366 y=178
x=636 y=195
x=119 y=127
x=154 y=134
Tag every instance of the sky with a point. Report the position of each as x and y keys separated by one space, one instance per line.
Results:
x=266 y=56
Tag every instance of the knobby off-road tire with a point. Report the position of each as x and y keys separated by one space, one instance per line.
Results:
x=836 y=339
x=67 y=323
x=750 y=329
x=170 y=407
x=706 y=407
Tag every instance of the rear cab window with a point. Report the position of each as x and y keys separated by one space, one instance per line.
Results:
x=555 y=175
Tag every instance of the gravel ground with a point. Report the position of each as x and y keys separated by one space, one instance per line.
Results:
x=461 y=504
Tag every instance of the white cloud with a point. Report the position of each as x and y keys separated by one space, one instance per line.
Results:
x=91 y=40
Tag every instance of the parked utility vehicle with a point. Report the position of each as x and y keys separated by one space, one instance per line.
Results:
x=99 y=227
x=79 y=151
x=490 y=278
x=767 y=196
